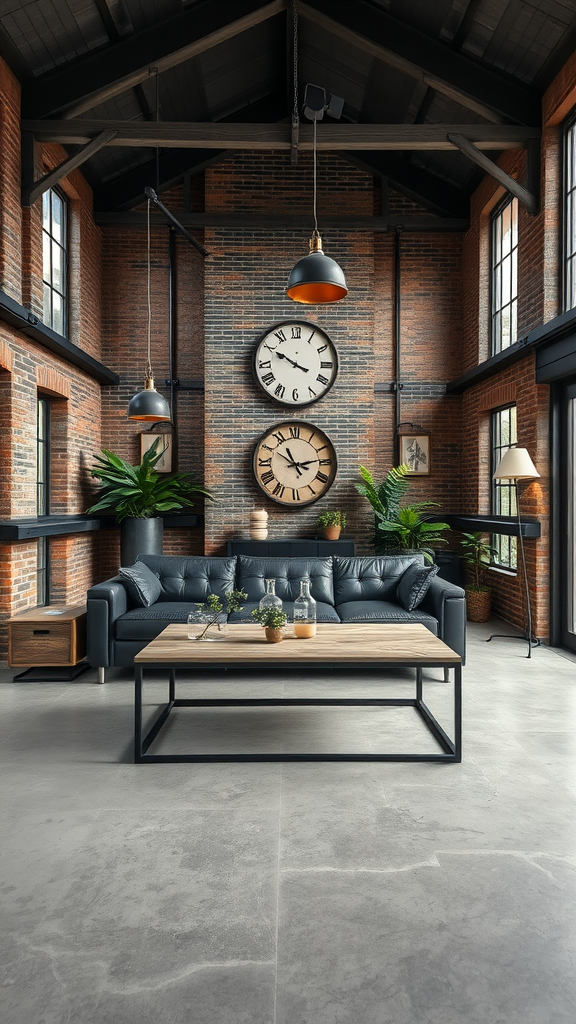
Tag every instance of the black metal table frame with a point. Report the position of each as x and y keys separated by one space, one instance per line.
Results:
x=451 y=749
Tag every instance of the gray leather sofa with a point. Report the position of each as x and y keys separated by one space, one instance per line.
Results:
x=356 y=589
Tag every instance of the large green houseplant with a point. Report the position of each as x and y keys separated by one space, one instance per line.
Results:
x=400 y=527
x=136 y=494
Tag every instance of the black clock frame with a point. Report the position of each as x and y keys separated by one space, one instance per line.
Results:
x=289 y=323
x=266 y=433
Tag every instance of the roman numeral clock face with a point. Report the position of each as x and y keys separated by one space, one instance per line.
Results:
x=295 y=363
x=294 y=463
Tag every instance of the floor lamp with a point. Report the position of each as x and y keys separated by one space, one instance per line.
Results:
x=516 y=465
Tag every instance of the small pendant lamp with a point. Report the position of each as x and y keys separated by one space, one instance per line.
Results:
x=148 y=404
x=316 y=278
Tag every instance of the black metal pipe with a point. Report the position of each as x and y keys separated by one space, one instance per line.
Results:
x=150 y=194
x=172 y=348
x=396 y=332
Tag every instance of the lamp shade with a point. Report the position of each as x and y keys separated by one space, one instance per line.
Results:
x=316 y=278
x=516 y=464
x=148 y=404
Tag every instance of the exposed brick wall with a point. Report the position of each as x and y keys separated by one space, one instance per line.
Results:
x=10 y=210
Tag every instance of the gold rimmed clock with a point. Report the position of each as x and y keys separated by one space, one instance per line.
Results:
x=294 y=463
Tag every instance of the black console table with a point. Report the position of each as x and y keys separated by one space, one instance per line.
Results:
x=298 y=548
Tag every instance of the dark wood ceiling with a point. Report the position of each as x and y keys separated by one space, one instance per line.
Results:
x=452 y=63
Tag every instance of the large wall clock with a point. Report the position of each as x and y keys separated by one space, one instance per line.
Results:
x=295 y=363
x=294 y=463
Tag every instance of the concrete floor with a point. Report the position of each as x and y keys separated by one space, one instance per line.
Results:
x=293 y=893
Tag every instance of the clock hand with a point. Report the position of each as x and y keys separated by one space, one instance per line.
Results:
x=281 y=355
x=294 y=463
x=291 y=463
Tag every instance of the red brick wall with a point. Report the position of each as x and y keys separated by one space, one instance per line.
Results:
x=30 y=369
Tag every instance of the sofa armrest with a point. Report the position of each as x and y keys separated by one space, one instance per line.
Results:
x=105 y=603
x=447 y=603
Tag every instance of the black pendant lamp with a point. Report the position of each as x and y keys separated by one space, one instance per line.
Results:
x=316 y=278
x=148 y=404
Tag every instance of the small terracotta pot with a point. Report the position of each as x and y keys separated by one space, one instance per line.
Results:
x=273 y=636
x=478 y=603
x=332 y=532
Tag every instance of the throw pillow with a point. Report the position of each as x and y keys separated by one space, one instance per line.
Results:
x=413 y=585
x=142 y=584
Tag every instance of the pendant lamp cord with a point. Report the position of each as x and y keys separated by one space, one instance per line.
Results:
x=315 y=217
x=149 y=363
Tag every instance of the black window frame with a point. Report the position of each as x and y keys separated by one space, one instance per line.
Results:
x=48 y=285
x=568 y=262
x=495 y=215
x=42 y=497
x=506 y=556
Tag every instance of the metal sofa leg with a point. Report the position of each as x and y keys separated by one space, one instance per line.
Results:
x=446 y=675
x=101 y=674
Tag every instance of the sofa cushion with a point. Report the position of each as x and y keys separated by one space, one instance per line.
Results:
x=373 y=578
x=413 y=585
x=191 y=578
x=384 y=611
x=142 y=584
x=252 y=572
x=324 y=612
x=147 y=623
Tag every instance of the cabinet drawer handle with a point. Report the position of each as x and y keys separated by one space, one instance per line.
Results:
x=40 y=632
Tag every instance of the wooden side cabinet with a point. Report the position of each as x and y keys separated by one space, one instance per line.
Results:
x=50 y=636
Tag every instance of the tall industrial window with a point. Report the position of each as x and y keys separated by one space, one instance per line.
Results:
x=54 y=259
x=504 y=281
x=503 y=437
x=43 y=497
x=570 y=215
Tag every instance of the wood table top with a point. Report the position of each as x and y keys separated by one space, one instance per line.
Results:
x=392 y=643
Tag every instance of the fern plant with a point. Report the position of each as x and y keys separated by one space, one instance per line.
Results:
x=412 y=530
x=385 y=499
x=139 y=491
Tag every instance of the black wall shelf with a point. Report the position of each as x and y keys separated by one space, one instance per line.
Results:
x=53 y=526
x=507 y=525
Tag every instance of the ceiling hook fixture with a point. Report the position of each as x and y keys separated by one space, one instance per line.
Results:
x=148 y=404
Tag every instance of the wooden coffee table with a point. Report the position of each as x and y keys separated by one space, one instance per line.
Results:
x=399 y=644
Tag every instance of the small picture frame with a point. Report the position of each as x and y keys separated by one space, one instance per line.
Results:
x=147 y=438
x=414 y=450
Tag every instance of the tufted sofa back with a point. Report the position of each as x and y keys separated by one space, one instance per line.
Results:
x=370 y=579
x=252 y=573
x=192 y=578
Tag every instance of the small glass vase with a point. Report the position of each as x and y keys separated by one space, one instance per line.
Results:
x=202 y=627
x=271 y=599
x=304 y=612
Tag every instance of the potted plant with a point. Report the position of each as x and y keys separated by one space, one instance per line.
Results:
x=273 y=620
x=136 y=494
x=477 y=553
x=400 y=527
x=332 y=522
x=204 y=623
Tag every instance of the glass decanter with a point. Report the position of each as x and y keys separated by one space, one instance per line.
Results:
x=270 y=599
x=304 y=612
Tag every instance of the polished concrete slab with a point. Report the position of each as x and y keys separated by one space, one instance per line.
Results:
x=309 y=893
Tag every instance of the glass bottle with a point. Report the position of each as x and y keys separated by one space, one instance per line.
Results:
x=304 y=612
x=270 y=599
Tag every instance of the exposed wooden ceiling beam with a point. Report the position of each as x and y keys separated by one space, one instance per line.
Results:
x=509 y=183
x=72 y=89
x=492 y=95
x=33 y=192
x=291 y=222
x=330 y=137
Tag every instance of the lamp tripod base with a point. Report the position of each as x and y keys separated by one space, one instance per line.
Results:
x=532 y=641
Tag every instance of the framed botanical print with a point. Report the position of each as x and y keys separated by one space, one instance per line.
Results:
x=414 y=450
x=147 y=439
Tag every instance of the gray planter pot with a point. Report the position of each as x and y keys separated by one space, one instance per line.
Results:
x=140 y=537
